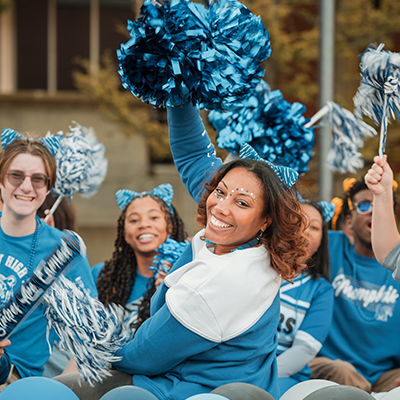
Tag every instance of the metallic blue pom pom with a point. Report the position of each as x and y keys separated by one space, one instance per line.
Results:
x=181 y=52
x=271 y=125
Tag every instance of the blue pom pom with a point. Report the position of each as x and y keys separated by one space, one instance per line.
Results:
x=378 y=96
x=168 y=252
x=271 y=125
x=181 y=52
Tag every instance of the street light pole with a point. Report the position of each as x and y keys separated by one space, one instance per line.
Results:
x=326 y=82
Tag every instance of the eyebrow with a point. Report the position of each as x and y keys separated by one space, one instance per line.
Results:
x=152 y=210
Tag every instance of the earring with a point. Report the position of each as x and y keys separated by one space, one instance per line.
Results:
x=259 y=234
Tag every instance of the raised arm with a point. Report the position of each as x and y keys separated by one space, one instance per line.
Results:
x=193 y=152
x=385 y=235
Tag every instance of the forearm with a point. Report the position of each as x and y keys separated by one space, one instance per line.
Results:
x=193 y=152
x=384 y=229
x=293 y=360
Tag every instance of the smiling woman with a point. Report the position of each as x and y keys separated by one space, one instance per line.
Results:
x=27 y=173
x=214 y=318
x=147 y=219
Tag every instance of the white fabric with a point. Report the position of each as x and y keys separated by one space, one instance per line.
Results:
x=302 y=351
x=204 y=292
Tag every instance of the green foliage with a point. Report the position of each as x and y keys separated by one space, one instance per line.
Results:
x=292 y=68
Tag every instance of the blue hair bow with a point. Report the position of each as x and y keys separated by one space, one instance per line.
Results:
x=328 y=208
x=52 y=143
x=288 y=176
x=165 y=192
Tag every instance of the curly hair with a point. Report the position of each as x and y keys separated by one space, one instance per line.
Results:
x=284 y=238
x=318 y=265
x=117 y=277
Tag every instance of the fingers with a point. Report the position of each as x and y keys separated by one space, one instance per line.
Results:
x=3 y=344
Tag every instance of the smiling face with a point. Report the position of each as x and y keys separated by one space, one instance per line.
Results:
x=315 y=228
x=146 y=226
x=23 y=201
x=234 y=211
x=361 y=224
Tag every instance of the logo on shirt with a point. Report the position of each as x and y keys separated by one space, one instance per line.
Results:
x=6 y=287
x=378 y=299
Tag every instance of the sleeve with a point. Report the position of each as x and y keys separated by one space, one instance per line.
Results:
x=311 y=335
x=318 y=320
x=160 y=344
x=392 y=262
x=192 y=150
x=5 y=368
x=95 y=271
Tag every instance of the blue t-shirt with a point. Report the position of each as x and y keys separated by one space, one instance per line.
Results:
x=364 y=332
x=138 y=290
x=29 y=349
x=306 y=313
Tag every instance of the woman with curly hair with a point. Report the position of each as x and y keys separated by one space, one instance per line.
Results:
x=214 y=318
x=147 y=219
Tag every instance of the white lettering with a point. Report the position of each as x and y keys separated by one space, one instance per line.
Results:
x=343 y=286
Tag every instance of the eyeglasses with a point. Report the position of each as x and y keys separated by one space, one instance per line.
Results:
x=365 y=207
x=16 y=178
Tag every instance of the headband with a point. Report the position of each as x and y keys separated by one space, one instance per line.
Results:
x=52 y=143
x=165 y=192
x=287 y=176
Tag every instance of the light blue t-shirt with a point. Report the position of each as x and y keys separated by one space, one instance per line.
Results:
x=29 y=349
x=364 y=333
x=306 y=311
x=138 y=290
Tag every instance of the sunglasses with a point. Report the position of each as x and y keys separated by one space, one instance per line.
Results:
x=16 y=178
x=365 y=207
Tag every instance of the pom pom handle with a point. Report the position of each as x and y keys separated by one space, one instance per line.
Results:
x=317 y=116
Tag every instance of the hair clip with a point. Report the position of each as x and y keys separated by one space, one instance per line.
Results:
x=165 y=192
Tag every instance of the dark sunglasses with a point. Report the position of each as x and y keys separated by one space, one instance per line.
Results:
x=16 y=178
x=365 y=207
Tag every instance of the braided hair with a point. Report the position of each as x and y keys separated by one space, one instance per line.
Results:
x=117 y=277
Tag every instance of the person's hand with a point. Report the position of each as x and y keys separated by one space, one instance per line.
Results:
x=3 y=344
x=162 y=273
x=379 y=177
x=50 y=220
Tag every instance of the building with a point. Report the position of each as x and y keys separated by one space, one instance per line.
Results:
x=40 y=41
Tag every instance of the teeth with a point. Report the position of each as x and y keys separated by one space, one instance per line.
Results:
x=218 y=223
x=24 y=198
x=146 y=236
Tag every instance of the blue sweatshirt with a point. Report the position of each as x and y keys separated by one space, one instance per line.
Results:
x=173 y=355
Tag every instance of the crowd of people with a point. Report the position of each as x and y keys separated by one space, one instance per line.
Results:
x=265 y=293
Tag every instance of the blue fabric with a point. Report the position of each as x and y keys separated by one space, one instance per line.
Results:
x=306 y=306
x=5 y=367
x=138 y=290
x=29 y=349
x=373 y=347
x=168 y=359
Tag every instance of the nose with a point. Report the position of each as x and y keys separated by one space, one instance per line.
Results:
x=222 y=206
x=26 y=185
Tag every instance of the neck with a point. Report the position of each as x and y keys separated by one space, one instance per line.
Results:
x=14 y=226
x=143 y=263
x=363 y=249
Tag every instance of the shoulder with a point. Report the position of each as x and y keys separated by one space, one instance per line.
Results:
x=95 y=270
